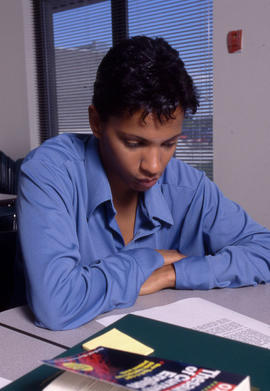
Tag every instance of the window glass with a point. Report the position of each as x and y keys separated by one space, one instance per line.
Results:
x=187 y=26
x=82 y=36
x=77 y=34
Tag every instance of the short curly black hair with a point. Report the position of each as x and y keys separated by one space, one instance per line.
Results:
x=142 y=73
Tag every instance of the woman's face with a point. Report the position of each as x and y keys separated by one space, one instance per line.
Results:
x=135 y=152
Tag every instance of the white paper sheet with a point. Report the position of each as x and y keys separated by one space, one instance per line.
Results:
x=4 y=382
x=74 y=382
x=202 y=315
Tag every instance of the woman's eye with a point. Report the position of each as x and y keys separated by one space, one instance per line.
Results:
x=170 y=145
x=132 y=144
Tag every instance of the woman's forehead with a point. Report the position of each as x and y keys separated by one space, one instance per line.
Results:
x=137 y=121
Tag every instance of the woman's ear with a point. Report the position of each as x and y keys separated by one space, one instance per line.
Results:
x=94 y=121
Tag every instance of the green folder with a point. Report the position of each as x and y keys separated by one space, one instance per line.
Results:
x=174 y=343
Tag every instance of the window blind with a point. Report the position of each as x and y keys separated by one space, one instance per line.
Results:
x=187 y=26
x=82 y=36
x=77 y=33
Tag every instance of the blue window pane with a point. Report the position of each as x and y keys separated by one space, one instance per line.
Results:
x=82 y=36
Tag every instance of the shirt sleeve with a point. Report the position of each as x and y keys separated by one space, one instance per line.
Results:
x=225 y=247
x=61 y=292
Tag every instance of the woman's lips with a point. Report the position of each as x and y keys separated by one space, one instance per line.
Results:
x=147 y=183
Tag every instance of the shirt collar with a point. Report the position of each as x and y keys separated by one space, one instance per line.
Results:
x=98 y=185
x=156 y=205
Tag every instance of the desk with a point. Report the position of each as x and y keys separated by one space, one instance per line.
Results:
x=250 y=301
x=24 y=352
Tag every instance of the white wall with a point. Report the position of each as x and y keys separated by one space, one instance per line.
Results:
x=16 y=115
x=242 y=105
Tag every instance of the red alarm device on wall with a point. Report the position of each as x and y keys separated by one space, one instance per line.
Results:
x=234 y=41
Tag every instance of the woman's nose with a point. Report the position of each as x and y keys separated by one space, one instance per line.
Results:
x=151 y=162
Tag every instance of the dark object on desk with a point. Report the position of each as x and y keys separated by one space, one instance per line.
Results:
x=8 y=238
x=9 y=172
x=174 y=343
x=12 y=284
x=8 y=219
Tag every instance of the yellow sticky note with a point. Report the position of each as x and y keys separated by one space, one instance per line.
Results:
x=115 y=339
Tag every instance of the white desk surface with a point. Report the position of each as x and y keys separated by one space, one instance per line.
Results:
x=25 y=350
x=250 y=301
x=21 y=353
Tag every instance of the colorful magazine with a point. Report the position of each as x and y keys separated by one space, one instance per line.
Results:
x=137 y=372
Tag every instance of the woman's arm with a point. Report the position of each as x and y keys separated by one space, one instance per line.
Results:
x=61 y=291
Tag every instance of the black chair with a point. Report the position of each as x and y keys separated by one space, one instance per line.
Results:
x=8 y=238
x=9 y=170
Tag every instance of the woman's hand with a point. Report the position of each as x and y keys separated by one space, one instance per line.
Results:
x=171 y=256
x=161 y=278
x=164 y=277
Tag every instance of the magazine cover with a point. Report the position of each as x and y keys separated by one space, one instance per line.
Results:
x=146 y=373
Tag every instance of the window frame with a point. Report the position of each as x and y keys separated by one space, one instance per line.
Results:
x=46 y=69
x=45 y=55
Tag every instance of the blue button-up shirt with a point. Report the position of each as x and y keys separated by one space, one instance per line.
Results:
x=76 y=263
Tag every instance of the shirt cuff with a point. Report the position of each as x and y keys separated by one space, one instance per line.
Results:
x=193 y=273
